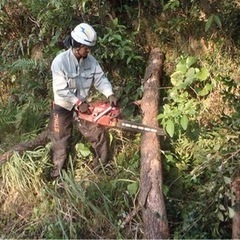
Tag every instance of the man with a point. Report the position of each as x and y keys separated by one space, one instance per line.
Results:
x=74 y=71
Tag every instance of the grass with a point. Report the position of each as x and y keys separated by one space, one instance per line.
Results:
x=81 y=204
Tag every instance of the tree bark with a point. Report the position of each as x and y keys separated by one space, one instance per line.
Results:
x=236 y=206
x=151 y=194
x=41 y=140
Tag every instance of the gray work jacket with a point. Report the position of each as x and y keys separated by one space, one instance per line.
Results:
x=72 y=80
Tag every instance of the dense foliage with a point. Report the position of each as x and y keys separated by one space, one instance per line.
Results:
x=199 y=111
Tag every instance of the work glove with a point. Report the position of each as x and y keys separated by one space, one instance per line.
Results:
x=112 y=100
x=82 y=106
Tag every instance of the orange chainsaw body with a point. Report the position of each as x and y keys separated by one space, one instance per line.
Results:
x=101 y=113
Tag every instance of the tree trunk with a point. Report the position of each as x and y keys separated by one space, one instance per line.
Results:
x=41 y=140
x=151 y=195
x=236 y=206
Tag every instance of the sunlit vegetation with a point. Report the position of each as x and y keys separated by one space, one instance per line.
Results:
x=199 y=111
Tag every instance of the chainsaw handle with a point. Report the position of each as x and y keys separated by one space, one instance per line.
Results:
x=103 y=113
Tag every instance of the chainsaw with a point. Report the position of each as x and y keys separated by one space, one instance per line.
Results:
x=104 y=114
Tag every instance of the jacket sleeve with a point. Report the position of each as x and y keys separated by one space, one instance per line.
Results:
x=64 y=89
x=101 y=83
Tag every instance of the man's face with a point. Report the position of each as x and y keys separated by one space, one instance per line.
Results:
x=81 y=52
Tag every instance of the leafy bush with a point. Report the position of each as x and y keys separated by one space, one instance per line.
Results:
x=202 y=146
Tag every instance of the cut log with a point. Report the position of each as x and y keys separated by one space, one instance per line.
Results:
x=151 y=193
x=41 y=140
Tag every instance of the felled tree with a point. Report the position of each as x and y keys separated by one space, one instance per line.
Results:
x=151 y=194
x=41 y=140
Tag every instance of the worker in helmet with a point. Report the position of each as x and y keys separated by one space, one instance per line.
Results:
x=74 y=71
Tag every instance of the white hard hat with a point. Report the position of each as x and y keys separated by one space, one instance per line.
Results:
x=84 y=34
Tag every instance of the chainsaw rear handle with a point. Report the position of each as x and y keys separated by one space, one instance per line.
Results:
x=106 y=111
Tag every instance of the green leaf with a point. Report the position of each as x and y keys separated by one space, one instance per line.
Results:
x=181 y=67
x=207 y=88
x=217 y=147
x=231 y=212
x=209 y=23
x=184 y=122
x=121 y=158
x=190 y=73
x=83 y=150
x=177 y=78
x=203 y=74
x=221 y=207
x=169 y=157
x=160 y=116
x=127 y=49
x=170 y=127
x=190 y=76
x=115 y=21
x=190 y=61
x=227 y=180
x=129 y=59
x=165 y=189
x=118 y=37
x=220 y=216
x=217 y=20
x=121 y=53
x=132 y=188
x=172 y=4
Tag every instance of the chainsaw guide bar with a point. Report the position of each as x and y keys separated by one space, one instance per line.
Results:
x=138 y=127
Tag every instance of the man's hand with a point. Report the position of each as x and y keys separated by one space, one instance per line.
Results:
x=82 y=106
x=112 y=100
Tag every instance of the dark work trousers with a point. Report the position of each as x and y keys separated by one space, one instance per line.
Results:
x=61 y=126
